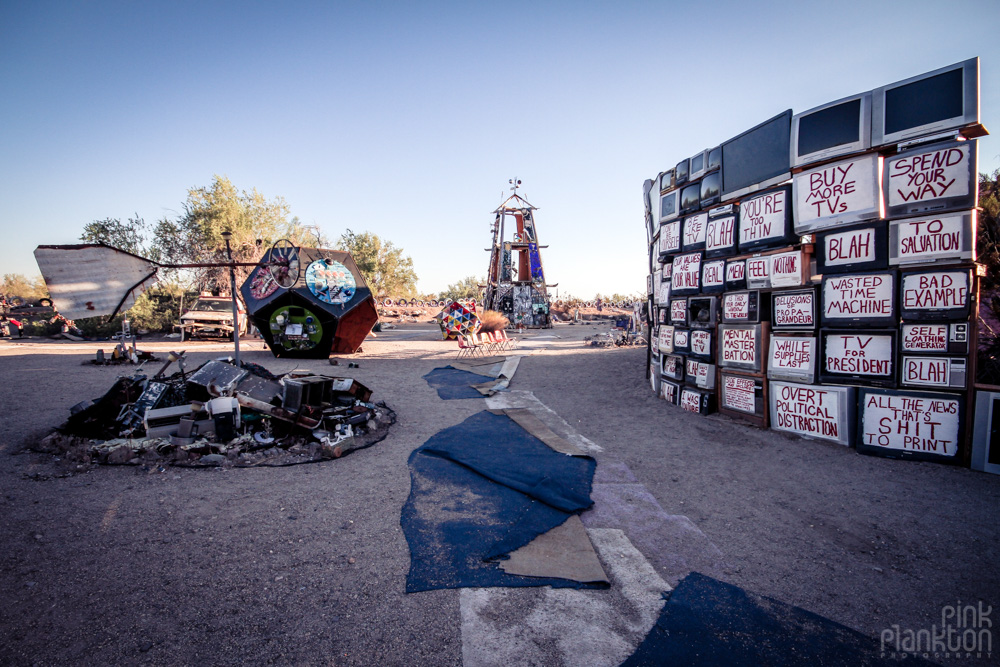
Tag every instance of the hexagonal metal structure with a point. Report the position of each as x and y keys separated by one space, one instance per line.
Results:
x=329 y=309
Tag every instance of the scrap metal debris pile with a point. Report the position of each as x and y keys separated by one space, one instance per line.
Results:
x=222 y=414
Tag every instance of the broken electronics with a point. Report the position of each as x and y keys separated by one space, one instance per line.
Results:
x=222 y=412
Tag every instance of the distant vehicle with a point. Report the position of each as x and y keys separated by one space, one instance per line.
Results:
x=211 y=316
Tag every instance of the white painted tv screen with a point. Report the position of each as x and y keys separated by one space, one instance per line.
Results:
x=910 y=424
x=859 y=299
x=824 y=413
x=941 y=238
x=792 y=358
x=838 y=193
x=686 y=277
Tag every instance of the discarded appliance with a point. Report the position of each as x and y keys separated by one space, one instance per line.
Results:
x=223 y=414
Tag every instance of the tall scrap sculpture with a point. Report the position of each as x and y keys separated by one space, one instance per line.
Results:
x=516 y=285
x=309 y=302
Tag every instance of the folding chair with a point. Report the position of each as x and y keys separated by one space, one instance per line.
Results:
x=466 y=347
x=483 y=344
x=511 y=343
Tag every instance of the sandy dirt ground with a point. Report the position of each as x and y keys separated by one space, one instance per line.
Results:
x=307 y=564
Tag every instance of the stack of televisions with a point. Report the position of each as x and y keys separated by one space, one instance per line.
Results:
x=816 y=273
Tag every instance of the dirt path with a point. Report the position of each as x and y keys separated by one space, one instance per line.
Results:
x=307 y=564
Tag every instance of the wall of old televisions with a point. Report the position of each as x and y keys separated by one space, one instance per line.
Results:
x=816 y=274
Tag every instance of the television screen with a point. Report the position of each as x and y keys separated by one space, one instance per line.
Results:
x=667 y=180
x=681 y=172
x=839 y=193
x=665 y=339
x=698 y=373
x=859 y=357
x=938 y=177
x=672 y=366
x=938 y=239
x=695 y=400
x=789 y=269
x=697 y=165
x=714 y=159
x=766 y=220
x=934 y=338
x=670 y=238
x=720 y=235
x=824 y=413
x=711 y=189
x=678 y=312
x=935 y=295
x=861 y=248
x=736 y=274
x=933 y=372
x=742 y=394
x=693 y=232
x=670 y=205
x=682 y=339
x=690 y=198
x=701 y=344
x=670 y=391
x=757 y=158
x=713 y=275
x=792 y=358
x=934 y=102
x=686 y=273
x=794 y=310
x=859 y=299
x=702 y=312
x=743 y=308
x=742 y=346
x=830 y=130
x=926 y=426
x=759 y=272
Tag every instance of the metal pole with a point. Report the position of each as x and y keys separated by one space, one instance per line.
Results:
x=232 y=290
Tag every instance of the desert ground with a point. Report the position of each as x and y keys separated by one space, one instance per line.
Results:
x=307 y=564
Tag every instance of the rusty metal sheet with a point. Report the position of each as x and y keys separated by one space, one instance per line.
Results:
x=88 y=280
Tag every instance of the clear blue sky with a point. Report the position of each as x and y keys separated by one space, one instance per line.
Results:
x=407 y=119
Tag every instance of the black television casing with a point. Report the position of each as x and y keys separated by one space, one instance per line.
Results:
x=845 y=244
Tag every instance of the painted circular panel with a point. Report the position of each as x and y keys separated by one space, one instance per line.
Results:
x=295 y=328
x=330 y=281
x=262 y=285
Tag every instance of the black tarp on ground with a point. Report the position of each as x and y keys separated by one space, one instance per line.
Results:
x=711 y=623
x=452 y=383
x=481 y=489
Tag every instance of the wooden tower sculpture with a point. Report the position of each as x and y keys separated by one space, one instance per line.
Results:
x=516 y=285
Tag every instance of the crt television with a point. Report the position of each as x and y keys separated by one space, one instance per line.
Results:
x=934 y=102
x=682 y=171
x=793 y=358
x=697 y=165
x=937 y=177
x=943 y=294
x=714 y=160
x=711 y=189
x=758 y=158
x=702 y=312
x=831 y=130
x=690 y=198
x=670 y=205
x=666 y=180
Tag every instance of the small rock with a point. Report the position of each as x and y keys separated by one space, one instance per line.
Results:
x=31 y=584
x=351 y=561
x=212 y=459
